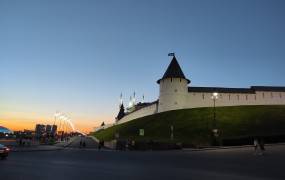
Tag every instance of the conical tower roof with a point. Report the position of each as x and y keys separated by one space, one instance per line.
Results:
x=173 y=71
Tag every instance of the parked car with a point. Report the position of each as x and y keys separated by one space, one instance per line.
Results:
x=4 y=151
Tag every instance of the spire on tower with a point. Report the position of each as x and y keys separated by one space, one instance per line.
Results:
x=121 y=99
x=131 y=102
x=134 y=98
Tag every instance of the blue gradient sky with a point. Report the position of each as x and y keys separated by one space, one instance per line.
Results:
x=78 y=56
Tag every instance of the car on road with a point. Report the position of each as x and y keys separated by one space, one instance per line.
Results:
x=4 y=151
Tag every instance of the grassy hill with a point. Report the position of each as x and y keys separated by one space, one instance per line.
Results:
x=194 y=125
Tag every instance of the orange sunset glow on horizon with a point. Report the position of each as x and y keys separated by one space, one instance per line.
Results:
x=22 y=121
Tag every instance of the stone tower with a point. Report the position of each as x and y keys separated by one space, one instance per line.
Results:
x=173 y=88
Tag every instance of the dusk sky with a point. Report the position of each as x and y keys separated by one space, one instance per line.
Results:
x=78 y=56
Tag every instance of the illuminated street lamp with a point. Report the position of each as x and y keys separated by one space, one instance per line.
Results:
x=215 y=96
x=56 y=116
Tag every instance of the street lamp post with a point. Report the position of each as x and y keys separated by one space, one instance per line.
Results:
x=215 y=96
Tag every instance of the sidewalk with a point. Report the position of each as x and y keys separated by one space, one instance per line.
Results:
x=65 y=143
x=55 y=147
x=35 y=148
x=227 y=147
x=94 y=138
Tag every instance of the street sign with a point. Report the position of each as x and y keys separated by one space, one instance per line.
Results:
x=141 y=132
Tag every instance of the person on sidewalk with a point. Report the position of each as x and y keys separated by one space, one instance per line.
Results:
x=80 y=144
x=99 y=145
x=261 y=145
x=255 y=145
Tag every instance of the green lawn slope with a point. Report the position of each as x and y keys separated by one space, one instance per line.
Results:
x=194 y=125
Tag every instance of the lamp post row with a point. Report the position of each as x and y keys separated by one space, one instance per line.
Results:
x=59 y=116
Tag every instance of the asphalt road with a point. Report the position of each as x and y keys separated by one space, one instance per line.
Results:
x=81 y=164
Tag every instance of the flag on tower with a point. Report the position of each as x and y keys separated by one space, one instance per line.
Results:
x=171 y=54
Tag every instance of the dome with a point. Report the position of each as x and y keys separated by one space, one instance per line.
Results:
x=5 y=130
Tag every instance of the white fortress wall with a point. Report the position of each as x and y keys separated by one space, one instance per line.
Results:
x=148 y=110
x=174 y=94
x=200 y=99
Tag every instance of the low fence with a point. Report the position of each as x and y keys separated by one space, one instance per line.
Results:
x=141 y=145
x=248 y=140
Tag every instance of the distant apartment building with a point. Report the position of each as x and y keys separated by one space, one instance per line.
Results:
x=40 y=130
x=54 y=129
x=48 y=129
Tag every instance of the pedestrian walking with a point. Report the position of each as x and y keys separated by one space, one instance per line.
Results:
x=255 y=144
x=99 y=146
x=261 y=145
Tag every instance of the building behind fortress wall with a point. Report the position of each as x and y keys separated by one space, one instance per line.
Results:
x=174 y=93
